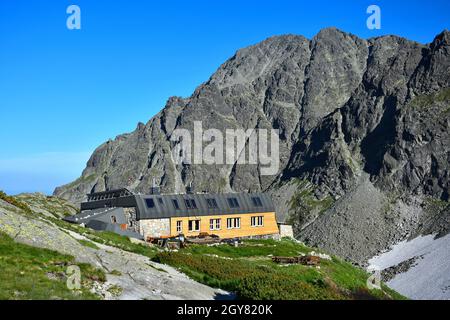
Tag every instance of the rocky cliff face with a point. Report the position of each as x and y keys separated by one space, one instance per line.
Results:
x=364 y=129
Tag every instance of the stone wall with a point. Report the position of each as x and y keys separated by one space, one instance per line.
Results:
x=286 y=231
x=133 y=224
x=154 y=228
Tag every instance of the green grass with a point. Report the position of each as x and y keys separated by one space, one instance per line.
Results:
x=53 y=205
x=61 y=203
x=354 y=279
x=88 y=244
x=249 y=272
x=107 y=238
x=246 y=270
x=80 y=180
x=15 y=202
x=115 y=290
x=29 y=273
x=435 y=205
x=304 y=205
x=116 y=273
x=156 y=268
x=424 y=101
x=251 y=248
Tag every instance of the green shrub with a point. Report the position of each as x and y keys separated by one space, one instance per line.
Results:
x=249 y=272
x=30 y=273
x=426 y=100
x=250 y=280
x=15 y=202
x=252 y=248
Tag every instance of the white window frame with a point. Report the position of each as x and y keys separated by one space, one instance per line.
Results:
x=194 y=224
x=214 y=224
x=218 y=224
x=179 y=226
x=233 y=223
x=257 y=221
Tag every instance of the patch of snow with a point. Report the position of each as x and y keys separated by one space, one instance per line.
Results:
x=429 y=278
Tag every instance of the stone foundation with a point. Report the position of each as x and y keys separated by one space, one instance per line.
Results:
x=130 y=215
x=286 y=231
x=154 y=228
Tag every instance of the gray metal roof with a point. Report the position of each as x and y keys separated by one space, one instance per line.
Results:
x=164 y=206
x=101 y=214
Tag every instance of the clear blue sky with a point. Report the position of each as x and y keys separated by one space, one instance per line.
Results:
x=63 y=92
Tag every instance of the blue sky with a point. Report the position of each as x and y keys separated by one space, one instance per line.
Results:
x=63 y=92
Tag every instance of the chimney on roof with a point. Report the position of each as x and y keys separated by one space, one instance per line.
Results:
x=155 y=189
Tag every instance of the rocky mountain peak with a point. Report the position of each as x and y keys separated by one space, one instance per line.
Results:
x=351 y=112
x=441 y=40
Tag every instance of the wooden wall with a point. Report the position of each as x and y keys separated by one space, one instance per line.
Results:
x=270 y=225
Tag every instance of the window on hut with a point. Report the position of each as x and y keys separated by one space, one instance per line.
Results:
x=175 y=204
x=150 y=203
x=190 y=203
x=257 y=202
x=179 y=226
x=257 y=221
x=212 y=203
x=234 y=223
x=214 y=224
x=233 y=203
x=194 y=225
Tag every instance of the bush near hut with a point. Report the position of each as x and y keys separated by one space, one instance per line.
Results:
x=249 y=272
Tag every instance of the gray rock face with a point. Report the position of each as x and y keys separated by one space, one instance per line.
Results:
x=346 y=109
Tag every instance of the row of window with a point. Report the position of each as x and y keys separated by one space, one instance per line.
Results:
x=215 y=224
x=212 y=203
x=107 y=196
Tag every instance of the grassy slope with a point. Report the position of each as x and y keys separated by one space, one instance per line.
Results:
x=48 y=205
x=30 y=273
x=304 y=206
x=107 y=238
x=15 y=202
x=424 y=101
x=249 y=272
x=60 y=208
x=39 y=274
